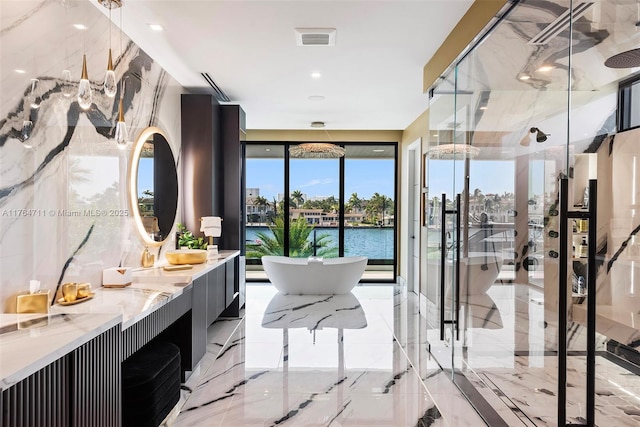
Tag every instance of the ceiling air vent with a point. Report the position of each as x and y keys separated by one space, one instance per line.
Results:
x=315 y=36
x=217 y=92
x=560 y=24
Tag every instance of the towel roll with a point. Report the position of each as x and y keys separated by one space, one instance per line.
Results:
x=211 y=226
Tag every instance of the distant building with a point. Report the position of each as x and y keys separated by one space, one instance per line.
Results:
x=354 y=218
x=313 y=216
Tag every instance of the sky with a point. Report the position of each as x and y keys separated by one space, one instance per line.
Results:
x=321 y=177
x=145 y=175
x=365 y=177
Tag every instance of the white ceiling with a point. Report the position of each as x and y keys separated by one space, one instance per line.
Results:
x=371 y=78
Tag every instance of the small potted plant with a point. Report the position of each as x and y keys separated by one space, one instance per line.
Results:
x=186 y=239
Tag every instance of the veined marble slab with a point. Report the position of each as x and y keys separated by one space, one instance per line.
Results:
x=314 y=312
x=151 y=288
x=29 y=342
x=158 y=275
x=294 y=361
x=133 y=302
x=620 y=325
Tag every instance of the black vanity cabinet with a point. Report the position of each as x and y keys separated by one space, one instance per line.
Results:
x=216 y=292
x=229 y=282
x=213 y=293
x=199 y=320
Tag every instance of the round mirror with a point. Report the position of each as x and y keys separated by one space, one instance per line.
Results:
x=153 y=186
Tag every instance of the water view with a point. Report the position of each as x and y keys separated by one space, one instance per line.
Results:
x=374 y=243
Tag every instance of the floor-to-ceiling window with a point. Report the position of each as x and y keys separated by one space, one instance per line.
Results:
x=328 y=207
x=314 y=207
x=369 y=206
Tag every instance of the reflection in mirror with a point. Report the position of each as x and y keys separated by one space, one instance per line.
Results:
x=153 y=186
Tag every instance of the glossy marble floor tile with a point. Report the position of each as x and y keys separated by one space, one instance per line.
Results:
x=362 y=360
x=321 y=361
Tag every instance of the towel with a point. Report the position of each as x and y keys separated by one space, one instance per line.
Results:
x=211 y=226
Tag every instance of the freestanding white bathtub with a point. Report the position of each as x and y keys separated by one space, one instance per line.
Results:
x=314 y=276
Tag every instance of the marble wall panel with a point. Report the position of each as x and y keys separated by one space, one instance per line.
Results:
x=623 y=246
x=64 y=189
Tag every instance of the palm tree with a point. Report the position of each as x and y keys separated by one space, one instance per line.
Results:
x=296 y=198
x=272 y=242
x=354 y=202
x=261 y=203
x=380 y=203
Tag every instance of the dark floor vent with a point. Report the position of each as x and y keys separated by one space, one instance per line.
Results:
x=218 y=93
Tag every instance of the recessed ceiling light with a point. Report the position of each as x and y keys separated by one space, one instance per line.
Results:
x=80 y=26
x=317 y=124
x=434 y=134
x=19 y=71
x=546 y=68
x=524 y=77
x=316 y=75
x=316 y=98
x=155 y=27
x=378 y=150
x=267 y=149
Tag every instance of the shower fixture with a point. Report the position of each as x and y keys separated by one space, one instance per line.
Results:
x=626 y=59
x=540 y=136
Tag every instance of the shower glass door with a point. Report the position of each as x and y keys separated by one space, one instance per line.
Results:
x=441 y=219
x=509 y=146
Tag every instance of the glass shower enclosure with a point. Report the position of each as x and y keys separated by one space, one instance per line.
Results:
x=518 y=313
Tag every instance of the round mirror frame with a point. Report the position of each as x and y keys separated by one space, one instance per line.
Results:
x=133 y=184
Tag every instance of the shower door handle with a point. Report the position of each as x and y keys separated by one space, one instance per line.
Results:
x=443 y=259
x=591 y=216
x=457 y=268
x=443 y=263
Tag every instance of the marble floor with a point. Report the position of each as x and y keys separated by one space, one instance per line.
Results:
x=361 y=360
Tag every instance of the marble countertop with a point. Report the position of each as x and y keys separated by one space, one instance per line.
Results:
x=157 y=273
x=29 y=342
x=151 y=288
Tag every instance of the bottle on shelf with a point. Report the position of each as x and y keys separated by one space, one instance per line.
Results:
x=585 y=198
x=583 y=225
x=582 y=249
x=581 y=289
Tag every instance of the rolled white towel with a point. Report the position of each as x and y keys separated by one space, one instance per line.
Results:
x=211 y=226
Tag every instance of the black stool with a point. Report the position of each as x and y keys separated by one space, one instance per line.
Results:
x=150 y=384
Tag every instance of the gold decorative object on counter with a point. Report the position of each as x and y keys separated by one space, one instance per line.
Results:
x=84 y=290
x=148 y=259
x=75 y=293
x=70 y=291
x=62 y=301
x=187 y=256
x=33 y=303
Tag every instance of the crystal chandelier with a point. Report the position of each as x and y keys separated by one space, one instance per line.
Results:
x=316 y=150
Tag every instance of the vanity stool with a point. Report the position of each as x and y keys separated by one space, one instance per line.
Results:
x=150 y=384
